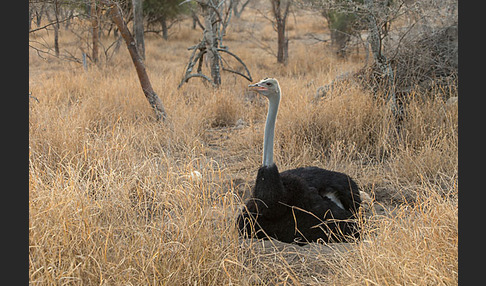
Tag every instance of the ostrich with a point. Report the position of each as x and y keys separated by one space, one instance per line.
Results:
x=299 y=205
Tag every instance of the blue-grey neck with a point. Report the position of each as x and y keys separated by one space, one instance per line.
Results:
x=268 y=138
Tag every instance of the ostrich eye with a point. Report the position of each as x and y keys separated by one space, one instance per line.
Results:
x=267 y=83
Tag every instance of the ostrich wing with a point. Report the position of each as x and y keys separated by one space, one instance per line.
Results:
x=327 y=182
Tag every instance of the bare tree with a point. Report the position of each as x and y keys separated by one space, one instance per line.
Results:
x=216 y=19
x=279 y=12
x=152 y=97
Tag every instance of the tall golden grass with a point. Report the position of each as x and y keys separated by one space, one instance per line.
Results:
x=113 y=199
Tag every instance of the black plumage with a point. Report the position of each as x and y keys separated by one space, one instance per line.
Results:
x=292 y=206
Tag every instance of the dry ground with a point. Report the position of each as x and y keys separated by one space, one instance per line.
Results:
x=112 y=200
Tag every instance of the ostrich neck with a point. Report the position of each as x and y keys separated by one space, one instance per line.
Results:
x=273 y=103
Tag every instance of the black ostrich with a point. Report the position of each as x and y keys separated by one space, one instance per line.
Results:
x=300 y=205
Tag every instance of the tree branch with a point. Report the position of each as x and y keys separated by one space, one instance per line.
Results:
x=52 y=23
x=187 y=77
x=240 y=61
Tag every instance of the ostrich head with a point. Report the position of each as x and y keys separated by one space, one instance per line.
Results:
x=267 y=87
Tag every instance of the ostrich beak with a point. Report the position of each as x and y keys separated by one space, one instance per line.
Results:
x=257 y=87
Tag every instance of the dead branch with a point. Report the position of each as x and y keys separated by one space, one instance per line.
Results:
x=240 y=61
x=186 y=79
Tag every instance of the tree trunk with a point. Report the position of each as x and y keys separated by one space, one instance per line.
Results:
x=165 y=29
x=138 y=26
x=56 y=39
x=375 y=38
x=94 y=31
x=55 y=23
x=281 y=21
x=56 y=28
x=210 y=36
x=283 y=44
x=148 y=91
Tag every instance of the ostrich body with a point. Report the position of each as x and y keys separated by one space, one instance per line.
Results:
x=299 y=205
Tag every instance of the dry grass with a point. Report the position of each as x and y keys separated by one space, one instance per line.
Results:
x=112 y=200
x=415 y=246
